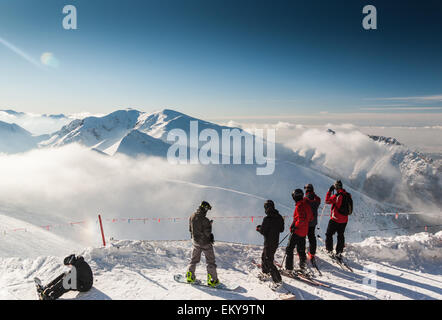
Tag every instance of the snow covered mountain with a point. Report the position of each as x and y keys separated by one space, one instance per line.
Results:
x=421 y=179
x=15 y=139
x=127 y=131
x=38 y=124
x=381 y=167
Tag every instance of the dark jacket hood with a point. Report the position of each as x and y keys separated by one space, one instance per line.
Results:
x=271 y=211
x=201 y=212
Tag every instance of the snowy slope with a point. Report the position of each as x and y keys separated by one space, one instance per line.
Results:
x=143 y=270
x=22 y=239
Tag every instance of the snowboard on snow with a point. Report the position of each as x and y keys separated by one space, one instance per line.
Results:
x=222 y=286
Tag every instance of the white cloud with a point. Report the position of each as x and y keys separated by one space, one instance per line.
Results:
x=437 y=97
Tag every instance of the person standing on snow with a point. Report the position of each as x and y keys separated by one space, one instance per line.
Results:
x=314 y=201
x=80 y=271
x=342 y=207
x=200 y=228
x=272 y=225
x=299 y=229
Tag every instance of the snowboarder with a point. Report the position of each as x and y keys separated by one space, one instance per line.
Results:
x=272 y=225
x=342 y=207
x=63 y=283
x=314 y=201
x=298 y=230
x=200 y=228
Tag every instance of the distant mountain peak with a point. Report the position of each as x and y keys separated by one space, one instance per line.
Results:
x=13 y=113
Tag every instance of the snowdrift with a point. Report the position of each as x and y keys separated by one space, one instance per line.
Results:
x=416 y=250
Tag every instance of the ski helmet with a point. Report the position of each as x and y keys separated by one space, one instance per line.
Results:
x=338 y=184
x=298 y=195
x=205 y=205
x=269 y=204
x=69 y=260
x=308 y=187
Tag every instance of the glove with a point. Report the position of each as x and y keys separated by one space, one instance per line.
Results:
x=211 y=221
x=332 y=188
x=212 y=238
x=292 y=228
x=258 y=228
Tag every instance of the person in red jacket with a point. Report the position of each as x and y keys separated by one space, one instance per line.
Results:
x=338 y=221
x=299 y=229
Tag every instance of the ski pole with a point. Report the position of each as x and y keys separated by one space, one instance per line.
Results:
x=285 y=254
x=283 y=239
x=322 y=214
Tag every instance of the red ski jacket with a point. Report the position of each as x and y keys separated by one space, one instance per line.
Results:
x=336 y=202
x=301 y=218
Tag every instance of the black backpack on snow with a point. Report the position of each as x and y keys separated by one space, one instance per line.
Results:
x=346 y=207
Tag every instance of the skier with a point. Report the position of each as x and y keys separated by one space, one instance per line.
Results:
x=272 y=225
x=200 y=228
x=314 y=201
x=299 y=229
x=80 y=271
x=342 y=207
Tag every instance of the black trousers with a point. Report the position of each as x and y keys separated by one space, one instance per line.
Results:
x=268 y=255
x=312 y=240
x=297 y=242
x=334 y=227
x=55 y=288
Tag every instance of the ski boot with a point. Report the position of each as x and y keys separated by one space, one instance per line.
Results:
x=190 y=277
x=312 y=259
x=303 y=269
x=277 y=287
x=339 y=257
x=211 y=282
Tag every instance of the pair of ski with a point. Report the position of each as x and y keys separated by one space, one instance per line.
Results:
x=298 y=275
x=340 y=261
x=283 y=292
x=303 y=276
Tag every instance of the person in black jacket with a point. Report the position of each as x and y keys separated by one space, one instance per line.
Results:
x=80 y=272
x=271 y=227
x=314 y=201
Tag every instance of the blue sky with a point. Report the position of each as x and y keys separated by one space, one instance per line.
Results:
x=225 y=58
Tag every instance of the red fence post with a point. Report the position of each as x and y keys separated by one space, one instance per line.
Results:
x=102 y=232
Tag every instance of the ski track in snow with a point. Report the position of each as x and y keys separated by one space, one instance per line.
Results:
x=129 y=269
x=202 y=186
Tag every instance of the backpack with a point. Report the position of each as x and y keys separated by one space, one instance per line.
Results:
x=346 y=207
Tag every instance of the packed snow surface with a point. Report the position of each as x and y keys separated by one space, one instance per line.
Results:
x=404 y=267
